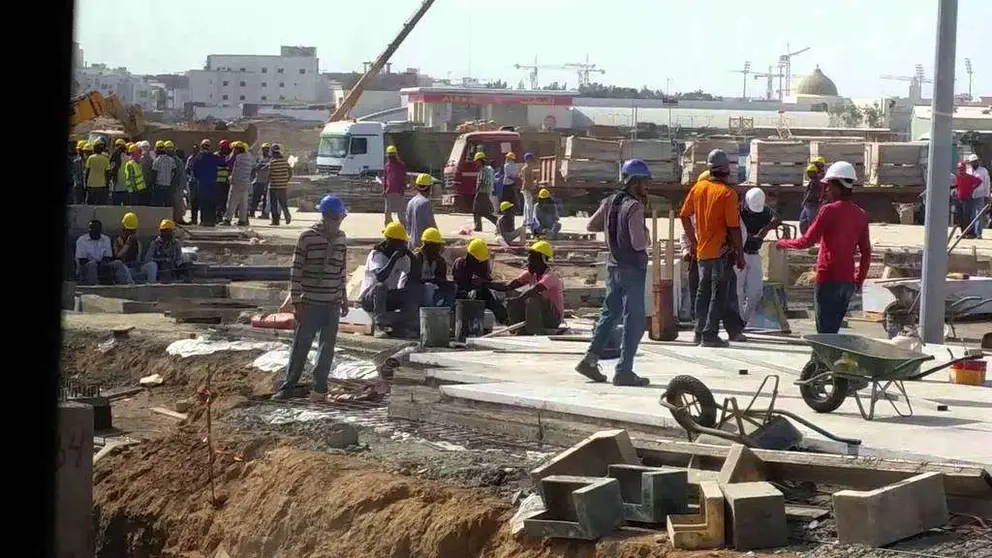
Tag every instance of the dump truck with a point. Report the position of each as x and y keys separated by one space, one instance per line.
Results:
x=460 y=171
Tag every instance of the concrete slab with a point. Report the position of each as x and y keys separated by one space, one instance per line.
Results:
x=651 y=494
x=755 y=515
x=589 y=458
x=95 y=304
x=889 y=514
x=157 y=292
x=584 y=508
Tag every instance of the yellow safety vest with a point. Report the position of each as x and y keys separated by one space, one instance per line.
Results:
x=135 y=178
x=222 y=170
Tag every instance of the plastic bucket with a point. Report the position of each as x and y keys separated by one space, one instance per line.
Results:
x=968 y=372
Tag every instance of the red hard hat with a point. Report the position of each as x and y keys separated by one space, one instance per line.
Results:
x=224 y=144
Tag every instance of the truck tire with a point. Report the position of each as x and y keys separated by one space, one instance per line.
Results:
x=682 y=385
x=813 y=394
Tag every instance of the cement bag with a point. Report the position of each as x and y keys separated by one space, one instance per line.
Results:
x=279 y=320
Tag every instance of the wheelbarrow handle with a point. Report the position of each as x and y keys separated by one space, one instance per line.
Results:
x=925 y=373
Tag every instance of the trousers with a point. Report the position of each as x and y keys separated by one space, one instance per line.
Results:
x=624 y=302
x=237 y=202
x=830 y=301
x=750 y=282
x=322 y=319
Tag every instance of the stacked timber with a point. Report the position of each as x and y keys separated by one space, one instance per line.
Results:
x=591 y=159
x=851 y=151
x=897 y=163
x=777 y=162
x=694 y=158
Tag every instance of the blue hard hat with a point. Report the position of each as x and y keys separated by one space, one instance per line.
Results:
x=635 y=168
x=332 y=205
x=528 y=156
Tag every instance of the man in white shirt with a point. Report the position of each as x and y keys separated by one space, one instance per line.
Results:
x=386 y=286
x=981 y=193
x=162 y=168
x=94 y=254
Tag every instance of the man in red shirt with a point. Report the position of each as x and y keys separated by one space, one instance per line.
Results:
x=840 y=227
x=965 y=185
x=394 y=184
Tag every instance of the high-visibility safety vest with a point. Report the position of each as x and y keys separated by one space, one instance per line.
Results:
x=135 y=177
x=222 y=171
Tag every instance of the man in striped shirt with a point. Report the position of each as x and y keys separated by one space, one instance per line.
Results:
x=317 y=297
x=279 y=174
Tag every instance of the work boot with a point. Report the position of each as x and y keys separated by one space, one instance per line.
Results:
x=738 y=338
x=714 y=342
x=629 y=379
x=226 y=222
x=589 y=367
x=697 y=338
x=243 y=223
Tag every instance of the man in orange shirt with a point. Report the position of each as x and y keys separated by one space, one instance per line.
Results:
x=715 y=238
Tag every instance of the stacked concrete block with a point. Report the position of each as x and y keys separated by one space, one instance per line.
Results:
x=598 y=159
x=777 y=162
x=892 y=513
x=585 y=508
x=590 y=457
x=755 y=515
x=651 y=494
x=694 y=158
x=703 y=530
x=897 y=163
x=851 y=151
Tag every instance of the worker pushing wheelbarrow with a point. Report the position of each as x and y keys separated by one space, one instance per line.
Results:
x=844 y=364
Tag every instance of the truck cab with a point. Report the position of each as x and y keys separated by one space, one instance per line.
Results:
x=350 y=148
x=461 y=170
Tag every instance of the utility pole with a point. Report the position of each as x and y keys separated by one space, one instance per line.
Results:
x=933 y=289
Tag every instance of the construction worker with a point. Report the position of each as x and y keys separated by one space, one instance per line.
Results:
x=205 y=167
x=134 y=180
x=163 y=166
x=541 y=303
x=178 y=186
x=507 y=232
x=841 y=227
x=546 y=221
x=711 y=219
x=386 y=286
x=223 y=177
x=260 y=184
x=77 y=165
x=279 y=174
x=317 y=297
x=431 y=268
x=528 y=187
x=393 y=186
x=757 y=220
x=97 y=175
x=147 y=162
x=820 y=163
x=511 y=178
x=473 y=278
x=127 y=247
x=118 y=191
x=95 y=258
x=482 y=204
x=812 y=197
x=164 y=260
x=980 y=196
x=621 y=218
x=237 y=201
x=419 y=214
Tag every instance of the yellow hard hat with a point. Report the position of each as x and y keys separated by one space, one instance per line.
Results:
x=88 y=146
x=424 y=179
x=479 y=155
x=81 y=144
x=812 y=168
x=169 y=144
x=265 y=145
x=119 y=142
x=543 y=194
x=130 y=221
x=390 y=149
x=167 y=225
x=478 y=250
x=543 y=247
x=820 y=160
x=432 y=235
x=512 y=156
x=132 y=147
x=503 y=206
x=395 y=231
x=159 y=144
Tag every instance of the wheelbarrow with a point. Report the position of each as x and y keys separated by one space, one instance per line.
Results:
x=904 y=311
x=844 y=364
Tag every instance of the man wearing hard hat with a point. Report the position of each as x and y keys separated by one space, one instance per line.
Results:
x=473 y=277
x=386 y=286
x=812 y=197
x=260 y=184
x=546 y=221
x=506 y=230
x=482 y=203
x=757 y=220
x=164 y=260
x=393 y=187
x=980 y=195
x=432 y=269
x=541 y=302
x=419 y=214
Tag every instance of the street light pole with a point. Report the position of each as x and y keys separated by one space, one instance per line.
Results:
x=938 y=185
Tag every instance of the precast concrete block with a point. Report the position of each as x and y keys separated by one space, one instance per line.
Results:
x=590 y=457
x=891 y=513
x=703 y=530
x=650 y=494
x=585 y=508
x=741 y=465
x=756 y=515
x=75 y=535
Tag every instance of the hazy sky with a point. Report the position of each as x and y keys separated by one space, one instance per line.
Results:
x=638 y=42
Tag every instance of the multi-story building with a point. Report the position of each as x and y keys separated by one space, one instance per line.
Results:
x=292 y=76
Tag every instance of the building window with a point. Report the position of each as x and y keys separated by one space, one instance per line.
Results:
x=264 y=84
x=359 y=146
x=282 y=84
x=244 y=69
x=224 y=97
x=224 y=83
x=279 y=70
x=282 y=97
x=264 y=98
x=265 y=70
x=303 y=70
x=242 y=84
x=241 y=98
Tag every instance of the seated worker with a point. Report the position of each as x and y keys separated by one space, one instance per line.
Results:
x=386 y=286
x=546 y=220
x=127 y=248
x=164 y=260
x=541 y=303
x=429 y=265
x=507 y=233
x=473 y=279
x=95 y=258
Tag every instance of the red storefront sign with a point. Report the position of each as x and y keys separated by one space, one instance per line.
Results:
x=478 y=99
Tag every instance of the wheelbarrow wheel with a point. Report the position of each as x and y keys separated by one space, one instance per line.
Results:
x=697 y=406
x=826 y=394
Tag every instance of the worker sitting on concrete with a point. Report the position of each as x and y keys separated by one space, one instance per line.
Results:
x=546 y=222
x=812 y=198
x=127 y=248
x=134 y=177
x=541 y=303
x=95 y=261
x=757 y=220
x=419 y=214
x=841 y=227
x=506 y=230
x=317 y=297
x=482 y=204
x=164 y=261
x=387 y=286
x=432 y=269
x=474 y=280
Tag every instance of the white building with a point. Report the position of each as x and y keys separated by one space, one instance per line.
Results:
x=234 y=79
x=106 y=80
x=966 y=119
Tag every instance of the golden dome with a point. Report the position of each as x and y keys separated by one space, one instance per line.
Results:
x=816 y=84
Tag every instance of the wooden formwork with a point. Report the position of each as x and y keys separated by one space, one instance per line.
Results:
x=897 y=163
x=694 y=158
x=777 y=162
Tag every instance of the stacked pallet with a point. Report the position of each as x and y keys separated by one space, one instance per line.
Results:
x=777 y=162
x=851 y=151
x=694 y=158
x=600 y=160
x=897 y=163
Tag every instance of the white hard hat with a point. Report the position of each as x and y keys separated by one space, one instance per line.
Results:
x=842 y=171
x=973 y=158
x=755 y=200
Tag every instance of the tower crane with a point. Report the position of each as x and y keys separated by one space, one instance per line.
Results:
x=770 y=75
x=532 y=74
x=915 y=82
x=746 y=71
x=785 y=68
x=584 y=69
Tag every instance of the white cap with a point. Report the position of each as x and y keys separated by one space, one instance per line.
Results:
x=843 y=172
x=755 y=200
x=973 y=158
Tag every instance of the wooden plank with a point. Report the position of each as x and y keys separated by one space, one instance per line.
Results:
x=121 y=393
x=168 y=412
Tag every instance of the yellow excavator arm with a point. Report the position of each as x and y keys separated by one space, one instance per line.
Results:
x=94 y=104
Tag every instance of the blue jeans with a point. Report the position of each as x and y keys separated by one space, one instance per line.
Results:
x=806 y=217
x=317 y=318
x=830 y=302
x=979 y=205
x=624 y=298
x=89 y=273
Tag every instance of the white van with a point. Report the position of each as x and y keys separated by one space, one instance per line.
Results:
x=350 y=148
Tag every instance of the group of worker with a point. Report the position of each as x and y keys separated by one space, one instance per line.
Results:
x=100 y=261
x=970 y=186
